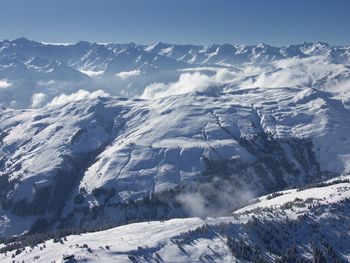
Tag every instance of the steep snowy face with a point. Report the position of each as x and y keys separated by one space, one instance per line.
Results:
x=81 y=160
x=305 y=224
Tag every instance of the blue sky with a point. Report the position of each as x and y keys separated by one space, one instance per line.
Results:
x=275 y=22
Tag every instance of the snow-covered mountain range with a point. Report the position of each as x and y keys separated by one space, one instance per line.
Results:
x=33 y=73
x=100 y=135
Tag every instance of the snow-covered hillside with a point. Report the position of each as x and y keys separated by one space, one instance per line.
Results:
x=95 y=136
x=308 y=224
x=90 y=159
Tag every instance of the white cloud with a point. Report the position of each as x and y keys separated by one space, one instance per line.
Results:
x=204 y=199
x=317 y=72
x=195 y=203
x=79 y=95
x=4 y=84
x=189 y=82
x=38 y=100
x=285 y=73
x=310 y=72
x=92 y=73
x=127 y=74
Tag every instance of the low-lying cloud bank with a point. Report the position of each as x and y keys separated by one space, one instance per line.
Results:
x=127 y=74
x=92 y=73
x=80 y=95
x=315 y=72
x=38 y=100
x=189 y=82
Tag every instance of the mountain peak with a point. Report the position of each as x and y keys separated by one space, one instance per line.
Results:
x=22 y=40
x=83 y=43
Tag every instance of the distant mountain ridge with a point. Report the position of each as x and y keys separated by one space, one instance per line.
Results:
x=30 y=69
x=97 y=56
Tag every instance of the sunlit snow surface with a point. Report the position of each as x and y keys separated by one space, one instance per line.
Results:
x=144 y=146
x=160 y=241
x=141 y=120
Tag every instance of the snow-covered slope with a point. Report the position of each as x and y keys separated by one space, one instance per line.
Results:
x=85 y=159
x=298 y=224
x=204 y=130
